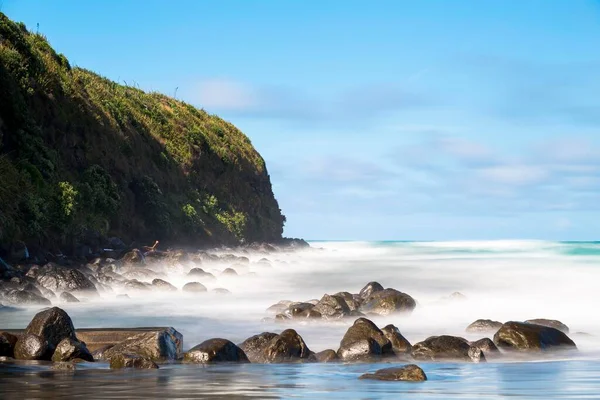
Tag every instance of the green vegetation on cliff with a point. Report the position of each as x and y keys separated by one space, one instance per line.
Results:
x=80 y=153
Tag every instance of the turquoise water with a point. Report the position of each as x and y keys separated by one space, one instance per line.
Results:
x=502 y=280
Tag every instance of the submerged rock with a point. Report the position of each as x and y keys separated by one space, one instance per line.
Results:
x=363 y=341
x=388 y=301
x=216 y=350
x=255 y=345
x=444 y=348
x=530 y=337
x=286 y=347
x=326 y=356
x=122 y=360
x=69 y=349
x=484 y=326
x=193 y=287
x=551 y=323
x=31 y=347
x=410 y=373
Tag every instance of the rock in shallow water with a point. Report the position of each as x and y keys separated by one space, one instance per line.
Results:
x=26 y=298
x=162 y=285
x=410 y=373
x=194 y=287
x=255 y=345
x=69 y=349
x=326 y=356
x=131 y=361
x=158 y=345
x=487 y=346
x=523 y=336
x=53 y=325
x=484 y=326
x=31 y=347
x=363 y=341
x=400 y=345
x=63 y=279
x=67 y=297
x=215 y=350
x=7 y=344
x=369 y=289
x=332 y=307
x=551 y=323
x=286 y=347
x=388 y=301
x=444 y=348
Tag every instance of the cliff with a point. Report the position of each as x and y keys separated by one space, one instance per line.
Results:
x=82 y=157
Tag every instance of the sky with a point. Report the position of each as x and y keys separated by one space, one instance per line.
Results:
x=378 y=120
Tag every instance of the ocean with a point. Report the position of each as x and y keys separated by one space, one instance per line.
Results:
x=499 y=280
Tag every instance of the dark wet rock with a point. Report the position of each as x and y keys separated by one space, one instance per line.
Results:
x=215 y=350
x=400 y=344
x=164 y=286
x=100 y=354
x=123 y=360
x=220 y=291
x=484 y=326
x=388 y=301
x=286 y=347
x=282 y=317
x=410 y=373
x=444 y=348
x=136 y=286
x=352 y=302
x=134 y=257
x=63 y=366
x=200 y=273
x=194 y=287
x=487 y=346
x=63 y=279
x=551 y=323
x=363 y=341
x=327 y=356
x=369 y=289
x=67 y=297
x=280 y=307
x=157 y=345
x=229 y=272
x=69 y=349
x=26 y=298
x=31 y=347
x=53 y=325
x=7 y=344
x=297 y=309
x=255 y=345
x=530 y=337
x=332 y=307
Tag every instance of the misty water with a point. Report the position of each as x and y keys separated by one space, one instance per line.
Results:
x=501 y=280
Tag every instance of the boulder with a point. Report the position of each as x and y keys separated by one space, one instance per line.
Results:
x=31 y=347
x=326 y=356
x=484 y=326
x=352 y=301
x=445 y=348
x=134 y=257
x=400 y=345
x=194 y=287
x=164 y=286
x=26 y=298
x=279 y=307
x=63 y=279
x=67 y=297
x=369 y=289
x=363 y=341
x=523 y=336
x=229 y=272
x=487 y=346
x=286 y=347
x=136 y=286
x=158 y=345
x=388 y=301
x=69 y=349
x=332 y=307
x=410 y=373
x=215 y=350
x=255 y=345
x=200 y=274
x=296 y=309
x=131 y=361
x=52 y=325
x=551 y=323
x=7 y=344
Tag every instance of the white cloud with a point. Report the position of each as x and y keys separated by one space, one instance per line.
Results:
x=517 y=175
x=226 y=94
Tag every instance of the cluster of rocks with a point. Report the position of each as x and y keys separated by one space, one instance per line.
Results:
x=372 y=299
x=134 y=271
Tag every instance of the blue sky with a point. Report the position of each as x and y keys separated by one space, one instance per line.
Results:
x=378 y=120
